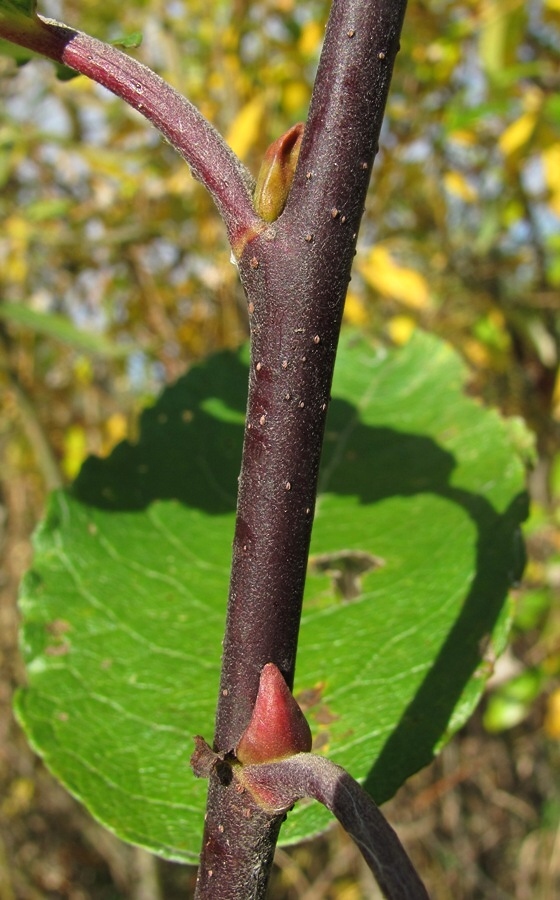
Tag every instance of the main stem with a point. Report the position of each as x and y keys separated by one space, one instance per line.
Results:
x=295 y=275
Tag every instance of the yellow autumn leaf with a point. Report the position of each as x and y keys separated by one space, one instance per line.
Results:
x=398 y=282
x=18 y=232
x=552 y=716
x=554 y=5
x=349 y=892
x=400 y=329
x=551 y=166
x=457 y=184
x=477 y=353
x=551 y=169
x=75 y=450
x=311 y=36
x=464 y=136
x=116 y=430
x=554 y=204
x=518 y=133
x=15 y=269
x=296 y=98
x=17 y=228
x=354 y=310
x=245 y=128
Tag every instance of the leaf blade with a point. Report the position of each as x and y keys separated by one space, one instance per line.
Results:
x=413 y=472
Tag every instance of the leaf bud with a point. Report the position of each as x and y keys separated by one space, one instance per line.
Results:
x=278 y=727
x=277 y=173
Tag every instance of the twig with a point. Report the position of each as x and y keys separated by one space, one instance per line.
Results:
x=211 y=160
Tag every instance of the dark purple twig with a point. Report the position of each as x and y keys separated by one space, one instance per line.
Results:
x=295 y=275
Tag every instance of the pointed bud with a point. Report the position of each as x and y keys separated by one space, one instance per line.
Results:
x=276 y=174
x=278 y=727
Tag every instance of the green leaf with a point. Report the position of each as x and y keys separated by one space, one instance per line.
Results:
x=60 y=328
x=65 y=73
x=129 y=41
x=512 y=702
x=15 y=52
x=18 y=17
x=420 y=504
x=18 y=21
x=18 y=7
x=532 y=607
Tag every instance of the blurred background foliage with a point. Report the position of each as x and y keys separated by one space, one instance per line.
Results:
x=115 y=275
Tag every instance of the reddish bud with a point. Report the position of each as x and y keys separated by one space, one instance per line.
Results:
x=278 y=727
x=276 y=174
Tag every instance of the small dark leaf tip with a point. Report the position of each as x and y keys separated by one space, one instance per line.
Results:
x=203 y=759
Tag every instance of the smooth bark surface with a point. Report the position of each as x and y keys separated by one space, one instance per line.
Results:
x=295 y=274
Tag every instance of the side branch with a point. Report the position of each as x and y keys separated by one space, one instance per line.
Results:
x=212 y=162
x=278 y=785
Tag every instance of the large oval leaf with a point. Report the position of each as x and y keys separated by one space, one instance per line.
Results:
x=415 y=543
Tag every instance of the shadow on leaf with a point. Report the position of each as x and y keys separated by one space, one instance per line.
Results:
x=189 y=449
